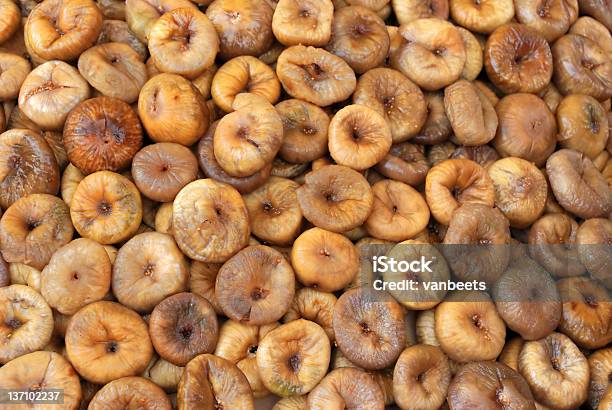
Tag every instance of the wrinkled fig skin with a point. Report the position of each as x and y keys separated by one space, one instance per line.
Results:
x=347 y=387
x=578 y=186
x=489 y=385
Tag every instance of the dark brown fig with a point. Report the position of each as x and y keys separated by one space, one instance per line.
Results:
x=405 y=163
x=335 y=198
x=528 y=301
x=518 y=59
x=102 y=133
x=255 y=286
x=489 y=385
x=210 y=382
x=593 y=240
x=370 y=327
x=183 y=326
x=27 y=166
x=578 y=186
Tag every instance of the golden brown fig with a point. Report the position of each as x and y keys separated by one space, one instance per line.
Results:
x=510 y=354
x=161 y=170
x=489 y=385
x=370 y=327
x=305 y=131
x=396 y=98
x=324 y=260
x=142 y=14
x=105 y=341
x=421 y=377
x=212 y=169
x=244 y=26
x=409 y=10
x=202 y=277
x=552 y=19
x=70 y=181
x=183 y=41
x=50 y=92
x=518 y=59
x=27 y=322
x=578 y=186
x=183 y=326
x=239 y=344
x=62 y=29
x=590 y=28
x=41 y=371
x=274 y=213
x=527 y=128
x=551 y=96
x=527 y=299
x=15 y=69
x=293 y=358
x=359 y=37
x=335 y=198
x=359 y=137
x=33 y=228
x=399 y=211
x=600 y=364
x=306 y=22
x=166 y=97
x=455 y=182
x=552 y=244
x=244 y=74
x=115 y=70
x=102 y=133
x=556 y=371
x=470 y=113
x=473 y=55
x=344 y=388
x=406 y=163
x=582 y=67
x=520 y=190
x=432 y=54
x=218 y=229
x=315 y=75
x=481 y=16
x=210 y=382
x=148 y=268
x=587 y=312
x=292 y=403
x=106 y=207
x=437 y=127
x=593 y=238
x=583 y=125
x=77 y=274
x=417 y=297
x=468 y=327
x=117 y=31
x=315 y=305
x=248 y=139
x=10 y=19
x=255 y=286
x=130 y=391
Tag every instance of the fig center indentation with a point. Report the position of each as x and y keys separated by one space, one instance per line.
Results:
x=185 y=332
x=105 y=208
x=14 y=323
x=294 y=363
x=112 y=347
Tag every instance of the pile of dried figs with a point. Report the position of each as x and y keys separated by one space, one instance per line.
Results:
x=192 y=195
